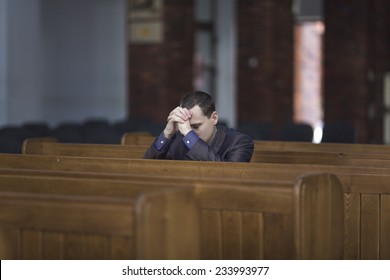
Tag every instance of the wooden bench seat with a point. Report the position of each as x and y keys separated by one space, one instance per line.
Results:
x=252 y=219
x=51 y=217
x=365 y=189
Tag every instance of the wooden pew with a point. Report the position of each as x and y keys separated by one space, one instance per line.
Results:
x=366 y=190
x=50 y=146
x=145 y=139
x=253 y=219
x=52 y=217
x=322 y=147
x=137 y=138
x=323 y=158
x=330 y=155
x=44 y=147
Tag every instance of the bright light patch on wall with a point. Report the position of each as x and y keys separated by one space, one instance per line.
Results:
x=308 y=76
x=318 y=132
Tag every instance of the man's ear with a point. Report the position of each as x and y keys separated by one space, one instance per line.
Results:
x=214 y=117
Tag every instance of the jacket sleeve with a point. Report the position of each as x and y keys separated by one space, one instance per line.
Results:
x=153 y=153
x=240 y=150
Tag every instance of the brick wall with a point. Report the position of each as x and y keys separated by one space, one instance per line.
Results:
x=265 y=61
x=159 y=74
x=380 y=63
x=356 y=52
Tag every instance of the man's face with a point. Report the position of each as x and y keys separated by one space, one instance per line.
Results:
x=202 y=125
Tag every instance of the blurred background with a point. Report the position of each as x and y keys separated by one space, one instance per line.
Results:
x=294 y=70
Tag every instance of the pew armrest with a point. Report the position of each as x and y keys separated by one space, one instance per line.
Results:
x=319 y=217
x=32 y=145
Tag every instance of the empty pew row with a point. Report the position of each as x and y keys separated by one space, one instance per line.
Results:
x=51 y=146
x=322 y=158
x=240 y=219
x=47 y=217
x=366 y=190
x=48 y=146
x=322 y=147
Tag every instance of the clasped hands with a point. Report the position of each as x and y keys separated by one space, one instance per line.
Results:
x=178 y=120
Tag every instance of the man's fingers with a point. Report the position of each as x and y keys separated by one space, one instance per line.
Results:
x=180 y=112
x=185 y=112
x=177 y=119
x=184 y=127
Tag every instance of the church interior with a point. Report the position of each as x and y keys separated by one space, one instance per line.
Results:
x=86 y=86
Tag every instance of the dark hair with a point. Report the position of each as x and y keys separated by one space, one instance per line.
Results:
x=200 y=98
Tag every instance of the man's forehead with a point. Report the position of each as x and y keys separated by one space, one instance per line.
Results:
x=197 y=116
x=197 y=112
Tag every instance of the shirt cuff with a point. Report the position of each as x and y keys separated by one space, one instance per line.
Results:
x=190 y=139
x=160 y=142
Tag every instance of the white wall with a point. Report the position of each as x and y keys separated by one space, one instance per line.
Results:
x=86 y=54
x=24 y=61
x=3 y=62
x=66 y=60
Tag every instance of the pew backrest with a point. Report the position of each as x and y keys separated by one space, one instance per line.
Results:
x=322 y=147
x=48 y=217
x=137 y=138
x=41 y=146
x=322 y=158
